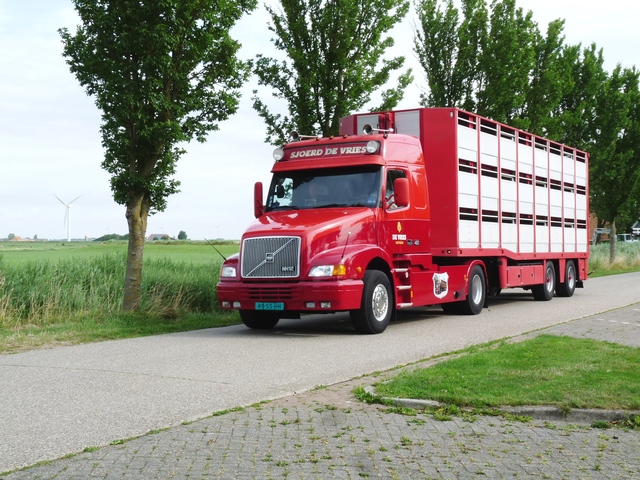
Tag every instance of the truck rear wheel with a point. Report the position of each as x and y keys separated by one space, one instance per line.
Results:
x=375 y=311
x=474 y=303
x=259 y=320
x=545 y=291
x=567 y=288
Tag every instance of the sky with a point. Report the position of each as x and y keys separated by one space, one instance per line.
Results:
x=50 y=142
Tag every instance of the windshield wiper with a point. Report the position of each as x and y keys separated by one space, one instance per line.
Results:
x=283 y=207
x=334 y=205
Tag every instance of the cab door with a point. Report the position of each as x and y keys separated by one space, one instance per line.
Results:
x=405 y=231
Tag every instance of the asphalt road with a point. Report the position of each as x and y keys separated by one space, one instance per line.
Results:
x=62 y=400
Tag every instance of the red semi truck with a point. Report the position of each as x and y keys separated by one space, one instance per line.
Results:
x=430 y=206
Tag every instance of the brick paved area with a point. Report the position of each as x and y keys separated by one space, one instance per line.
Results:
x=327 y=434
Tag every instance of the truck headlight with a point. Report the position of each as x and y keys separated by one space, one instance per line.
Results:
x=328 y=271
x=228 y=271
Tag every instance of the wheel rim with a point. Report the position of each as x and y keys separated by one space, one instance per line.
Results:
x=476 y=289
x=549 y=280
x=571 y=277
x=380 y=303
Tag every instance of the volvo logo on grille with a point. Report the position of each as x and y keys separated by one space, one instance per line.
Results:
x=269 y=257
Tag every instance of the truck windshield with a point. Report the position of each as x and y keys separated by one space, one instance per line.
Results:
x=325 y=188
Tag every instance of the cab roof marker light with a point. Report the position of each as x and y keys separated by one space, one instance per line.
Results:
x=373 y=146
x=278 y=154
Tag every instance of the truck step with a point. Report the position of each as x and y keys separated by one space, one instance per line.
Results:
x=400 y=270
x=404 y=287
x=404 y=305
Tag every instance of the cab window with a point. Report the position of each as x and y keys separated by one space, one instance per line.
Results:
x=389 y=196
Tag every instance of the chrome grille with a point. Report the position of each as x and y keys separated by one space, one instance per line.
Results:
x=271 y=257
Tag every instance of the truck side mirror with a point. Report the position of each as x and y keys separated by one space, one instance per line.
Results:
x=401 y=192
x=258 y=206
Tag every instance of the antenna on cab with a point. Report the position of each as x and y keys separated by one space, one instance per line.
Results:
x=345 y=246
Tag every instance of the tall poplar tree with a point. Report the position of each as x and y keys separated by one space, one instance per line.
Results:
x=550 y=79
x=334 y=51
x=575 y=114
x=162 y=72
x=493 y=60
x=506 y=63
x=448 y=48
x=615 y=153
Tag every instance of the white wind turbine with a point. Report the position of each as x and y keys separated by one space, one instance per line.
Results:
x=67 y=215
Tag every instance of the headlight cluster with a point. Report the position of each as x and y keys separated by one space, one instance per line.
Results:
x=228 y=271
x=328 y=271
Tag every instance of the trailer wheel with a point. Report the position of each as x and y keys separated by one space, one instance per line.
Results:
x=545 y=291
x=567 y=288
x=476 y=297
x=259 y=320
x=375 y=311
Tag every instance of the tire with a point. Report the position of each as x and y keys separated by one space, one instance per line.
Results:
x=544 y=292
x=567 y=288
x=477 y=295
x=474 y=303
x=377 y=304
x=259 y=320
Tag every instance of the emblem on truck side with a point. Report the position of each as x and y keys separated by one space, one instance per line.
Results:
x=440 y=284
x=398 y=237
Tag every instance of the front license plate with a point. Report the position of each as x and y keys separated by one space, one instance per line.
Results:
x=269 y=306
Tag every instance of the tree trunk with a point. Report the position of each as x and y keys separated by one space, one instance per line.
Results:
x=137 y=216
x=613 y=238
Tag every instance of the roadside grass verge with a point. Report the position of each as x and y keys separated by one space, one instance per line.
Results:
x=547 y=370
x=95 y=328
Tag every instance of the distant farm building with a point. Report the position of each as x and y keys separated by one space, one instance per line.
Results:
x=158 y=236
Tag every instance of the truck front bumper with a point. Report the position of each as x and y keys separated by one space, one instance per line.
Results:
x=328 y=296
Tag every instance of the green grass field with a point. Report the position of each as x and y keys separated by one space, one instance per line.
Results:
x=546 y=370
x=196 y=252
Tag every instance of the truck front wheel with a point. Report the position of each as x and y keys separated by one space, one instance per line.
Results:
x=259 y=320
x=374 y=314
x=545 y=291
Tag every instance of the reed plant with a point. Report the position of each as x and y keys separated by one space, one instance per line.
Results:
x=46 y=292
x=627 y=259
